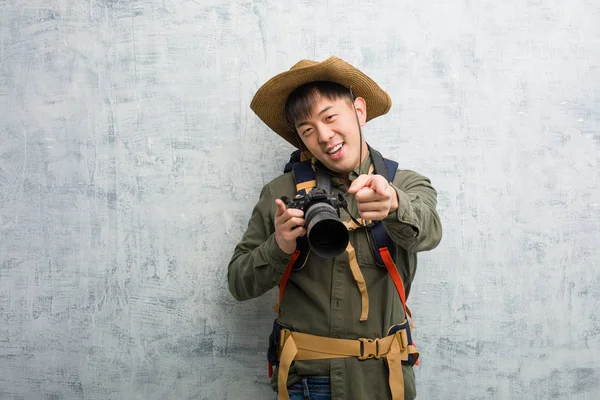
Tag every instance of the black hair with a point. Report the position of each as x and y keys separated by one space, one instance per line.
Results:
x=300 y=102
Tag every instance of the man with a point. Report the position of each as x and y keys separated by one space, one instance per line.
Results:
x=342 y=331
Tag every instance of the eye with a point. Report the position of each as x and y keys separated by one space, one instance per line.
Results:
x=306 y=131
x=330 y=118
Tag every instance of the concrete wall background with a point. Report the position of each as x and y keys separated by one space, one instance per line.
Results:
x=130 y=162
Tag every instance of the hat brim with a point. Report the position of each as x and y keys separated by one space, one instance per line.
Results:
x=269 y=101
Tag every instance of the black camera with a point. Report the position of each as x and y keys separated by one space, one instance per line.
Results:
x=326 y=233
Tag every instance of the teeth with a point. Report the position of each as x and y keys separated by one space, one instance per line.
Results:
x=336 y=148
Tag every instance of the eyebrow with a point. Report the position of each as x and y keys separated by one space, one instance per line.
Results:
x=299 y=124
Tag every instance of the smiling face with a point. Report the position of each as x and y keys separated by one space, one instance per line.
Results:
x=329 y=129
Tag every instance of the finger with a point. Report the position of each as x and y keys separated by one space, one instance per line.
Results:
x=280 y=208
x=359 y=183
x=377 y=191
x=366 y=195
x=286 y=213
x=292 y=223
x=294 y=212
x=299 y=231
x=379 y=184
x=373 y=215
x=372 y=206
x=291 y=233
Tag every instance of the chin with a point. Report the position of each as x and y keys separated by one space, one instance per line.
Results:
x=341 y=170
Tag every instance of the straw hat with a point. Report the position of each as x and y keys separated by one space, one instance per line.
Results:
x=269 y=101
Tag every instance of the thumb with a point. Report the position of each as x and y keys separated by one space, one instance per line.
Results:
x=280 y=208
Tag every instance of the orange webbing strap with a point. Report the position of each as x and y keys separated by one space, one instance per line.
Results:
x=301 y=346
x=398 y=351
x=307 y=186
x=360 y=281
x=356 y=273
x=393 y=271
x=351 y=225
x=285 y=277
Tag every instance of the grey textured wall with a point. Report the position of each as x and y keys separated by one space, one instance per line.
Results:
x=130 y=162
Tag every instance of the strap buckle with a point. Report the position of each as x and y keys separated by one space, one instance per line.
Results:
x=369 y=348
x=284 y=335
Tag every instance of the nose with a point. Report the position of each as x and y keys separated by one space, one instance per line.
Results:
x=325 y=133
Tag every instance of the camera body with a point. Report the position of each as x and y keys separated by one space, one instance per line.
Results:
x=326 y=233
x=304 y=202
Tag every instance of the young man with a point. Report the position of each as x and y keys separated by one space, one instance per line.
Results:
x=342 y=331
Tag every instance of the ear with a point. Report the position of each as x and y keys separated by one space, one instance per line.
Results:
x=361 y=110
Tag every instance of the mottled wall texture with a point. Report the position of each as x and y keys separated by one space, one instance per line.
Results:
x=130 y=162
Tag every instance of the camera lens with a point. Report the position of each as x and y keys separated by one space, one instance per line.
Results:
x=326 y=233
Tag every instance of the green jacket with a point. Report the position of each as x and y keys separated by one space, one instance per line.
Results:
x=322 y=298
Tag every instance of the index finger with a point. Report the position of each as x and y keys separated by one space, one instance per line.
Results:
x=379 y=184
x=359 y=183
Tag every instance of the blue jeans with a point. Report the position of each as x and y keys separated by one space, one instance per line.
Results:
x=311 y=388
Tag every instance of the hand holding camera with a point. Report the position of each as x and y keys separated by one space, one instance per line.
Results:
x=289 y=225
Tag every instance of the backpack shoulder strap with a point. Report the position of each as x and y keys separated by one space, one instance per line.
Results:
x=304 y=176
x=383 y=166
x=382 y=245
x=305 y=179
x=296 y=157
x=378 y=234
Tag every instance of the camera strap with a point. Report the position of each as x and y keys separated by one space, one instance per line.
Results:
x=378 y=162
x=323 y=180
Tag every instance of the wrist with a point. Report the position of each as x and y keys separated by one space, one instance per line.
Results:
x=284 y=246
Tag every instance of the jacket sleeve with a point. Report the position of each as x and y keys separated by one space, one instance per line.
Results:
x=415 y=225
x=258 y=263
